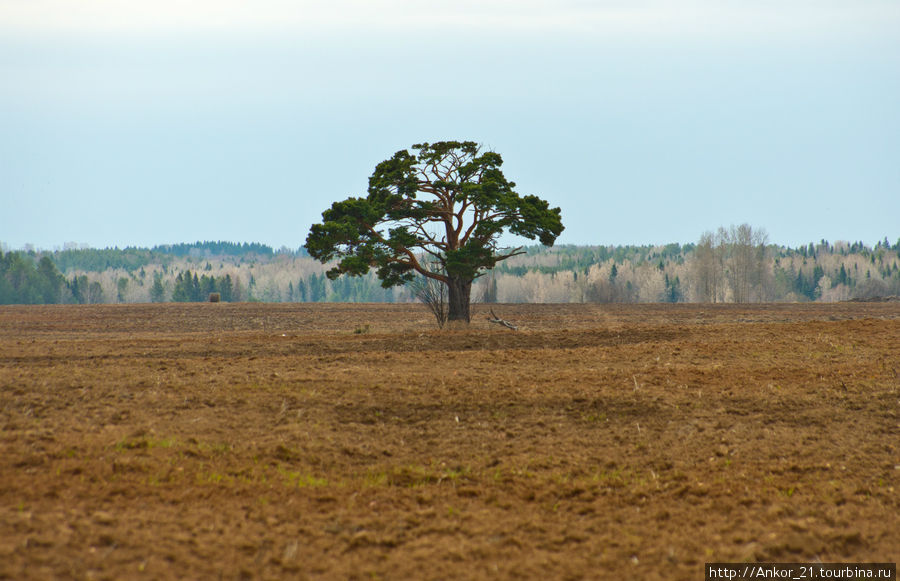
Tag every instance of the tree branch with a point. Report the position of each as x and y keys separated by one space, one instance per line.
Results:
x=476 y=219
x=500 y=321
x=514 y=252
x=412 y=261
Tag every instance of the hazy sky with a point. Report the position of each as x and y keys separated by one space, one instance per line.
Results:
x=647 y=121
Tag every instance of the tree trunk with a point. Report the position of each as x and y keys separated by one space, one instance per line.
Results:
x=460 y=290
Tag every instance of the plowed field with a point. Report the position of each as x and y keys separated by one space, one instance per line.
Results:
x=252 y=441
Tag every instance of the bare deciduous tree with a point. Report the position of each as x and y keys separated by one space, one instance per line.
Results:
x=433 y=294
x=745 y=260
x=708 y=268
x=731 y=260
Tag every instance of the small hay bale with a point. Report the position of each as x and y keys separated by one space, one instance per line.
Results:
x=214 y=297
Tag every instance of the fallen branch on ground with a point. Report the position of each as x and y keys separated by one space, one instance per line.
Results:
x=500 y=321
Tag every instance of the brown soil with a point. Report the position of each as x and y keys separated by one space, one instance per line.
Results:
x=247 y=441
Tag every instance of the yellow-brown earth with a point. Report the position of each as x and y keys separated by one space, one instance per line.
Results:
x=252 y=441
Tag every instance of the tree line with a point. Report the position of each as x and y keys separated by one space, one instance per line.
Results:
x=73 y=257
x=24 y=280
x=736 y=264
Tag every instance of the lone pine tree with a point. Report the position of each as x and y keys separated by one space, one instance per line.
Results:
x=437 y=213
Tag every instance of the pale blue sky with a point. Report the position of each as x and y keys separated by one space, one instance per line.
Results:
x=646 y=121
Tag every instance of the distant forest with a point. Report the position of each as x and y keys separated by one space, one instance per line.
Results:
x=729 y=265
